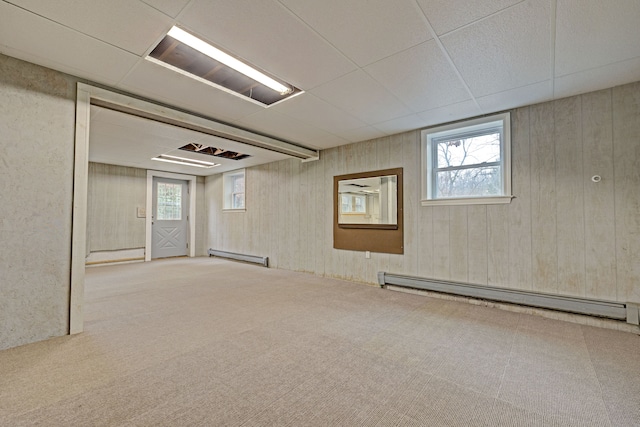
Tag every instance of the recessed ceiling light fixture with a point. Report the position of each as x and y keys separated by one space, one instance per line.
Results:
x=185 y=53
x=228 y=60
x=184 y=161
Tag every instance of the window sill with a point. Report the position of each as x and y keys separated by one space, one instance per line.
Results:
x=234 y=210
x=498 y=200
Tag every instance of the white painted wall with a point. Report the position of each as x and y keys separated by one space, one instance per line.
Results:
x=561 y=234
x=36 y=186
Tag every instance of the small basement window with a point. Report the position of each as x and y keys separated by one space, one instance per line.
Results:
x=234 y=190
x=467 y=162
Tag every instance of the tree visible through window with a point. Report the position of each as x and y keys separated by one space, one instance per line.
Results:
x=468 y=161
x=468 y=166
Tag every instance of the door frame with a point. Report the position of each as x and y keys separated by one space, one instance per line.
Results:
x=192 y=184
x=86 y=95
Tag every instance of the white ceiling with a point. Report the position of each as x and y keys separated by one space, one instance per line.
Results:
x=122 y=139
x=369 y=68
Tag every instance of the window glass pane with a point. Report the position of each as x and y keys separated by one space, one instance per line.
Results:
x=238 y=201
x=471 y=150
x=238 y=184
x=234 y=190
x=360 y=204
x=169 y=201
x=346 y=204
x=473 y=182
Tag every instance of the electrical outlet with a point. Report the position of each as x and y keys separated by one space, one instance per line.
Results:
x=367 y=254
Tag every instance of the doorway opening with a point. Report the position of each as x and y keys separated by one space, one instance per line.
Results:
x=170 y=226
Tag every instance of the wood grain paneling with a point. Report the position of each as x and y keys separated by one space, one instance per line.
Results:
x=441 y=244
x=520 y=208
x=114 y=194
x=599 y=212
x=458 y=244
x=569 y=196
x=477 y=239
x=498 y=246
x=411 y=193
x=543 y=199
x=425 y=242
x=626 y=148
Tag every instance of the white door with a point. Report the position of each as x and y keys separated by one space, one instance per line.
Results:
x=169 y=221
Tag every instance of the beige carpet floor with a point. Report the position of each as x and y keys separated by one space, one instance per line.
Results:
x=207 y=342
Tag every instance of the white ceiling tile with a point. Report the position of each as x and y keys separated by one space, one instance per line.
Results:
x=505 y=51
x=518 y=97
x=593 y=33
x=38 y=40
x=157 y=82
x=313 y=110
x=389 y=26
x=450 y=113
x=421 y=77
x=599 y=78
x=270 y=37
x=271 y=122
x=128 y=126
x=360 y=95
x=447 y=15
x=129 y=25
x=168 y=7
x=362 y=134
x=401 y=124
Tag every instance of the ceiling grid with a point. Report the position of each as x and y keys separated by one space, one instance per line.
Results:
x=368 y=68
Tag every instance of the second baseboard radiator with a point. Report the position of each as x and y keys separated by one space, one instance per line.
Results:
x=612 y=310
x=262 y=260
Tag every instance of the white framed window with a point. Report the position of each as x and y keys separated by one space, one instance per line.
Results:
x=467 y=162
x=233 y=189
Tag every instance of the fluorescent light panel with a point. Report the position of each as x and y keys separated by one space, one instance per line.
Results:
x=228 y=60
x=184 y=161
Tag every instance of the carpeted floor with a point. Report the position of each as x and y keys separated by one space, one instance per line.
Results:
x=209 y=342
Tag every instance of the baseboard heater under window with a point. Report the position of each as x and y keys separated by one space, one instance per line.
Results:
x=262 y=260
x=612 y=310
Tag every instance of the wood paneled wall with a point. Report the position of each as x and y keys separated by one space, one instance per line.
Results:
x=561 y=234
x=114 y=193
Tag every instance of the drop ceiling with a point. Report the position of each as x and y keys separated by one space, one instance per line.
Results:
x=368 y=68
x=122 y=139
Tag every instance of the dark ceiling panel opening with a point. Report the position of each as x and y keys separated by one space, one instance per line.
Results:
x=212 y=151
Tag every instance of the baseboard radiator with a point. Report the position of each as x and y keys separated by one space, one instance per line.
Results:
x=262 y=260
x=612 y=310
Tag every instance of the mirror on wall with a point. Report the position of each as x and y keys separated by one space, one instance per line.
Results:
x=368 y=210
x=371 y=200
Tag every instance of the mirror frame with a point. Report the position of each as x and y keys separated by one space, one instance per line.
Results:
x=383 y=238
x=365 y=225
